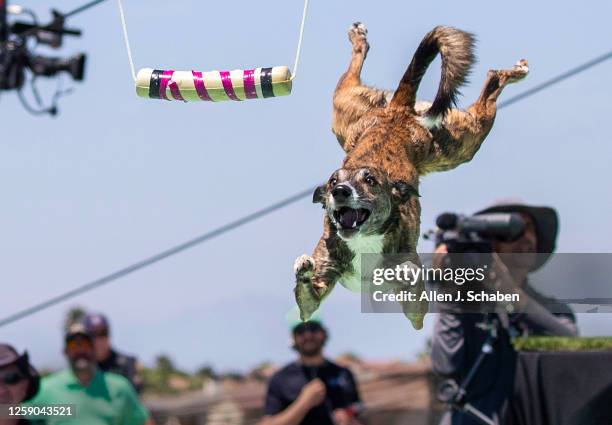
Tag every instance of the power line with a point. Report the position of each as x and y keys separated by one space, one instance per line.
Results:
x=158 y=257
x=82 y=8
x=257 y=214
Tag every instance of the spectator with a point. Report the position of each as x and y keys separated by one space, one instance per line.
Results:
x=311 y=390
x=100 y=398
x=19 y=381
x=109 y=359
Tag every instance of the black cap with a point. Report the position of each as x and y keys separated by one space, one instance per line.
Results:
x=9 y=356
x=95 y=322
x=77 y=329
x=546 y=224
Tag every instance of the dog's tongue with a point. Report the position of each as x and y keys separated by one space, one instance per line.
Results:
x=348 y=217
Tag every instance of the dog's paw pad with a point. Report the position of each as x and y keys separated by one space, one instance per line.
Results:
x=358 y=28
x=303 y=266
x=521 y=66
x=357 y=34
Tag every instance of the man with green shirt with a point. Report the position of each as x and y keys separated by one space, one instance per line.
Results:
x=99 y=398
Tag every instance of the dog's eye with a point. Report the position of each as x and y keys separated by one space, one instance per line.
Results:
x=370 y=180
x=333 y=181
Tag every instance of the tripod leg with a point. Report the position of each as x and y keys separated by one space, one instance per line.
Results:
x=468 y=408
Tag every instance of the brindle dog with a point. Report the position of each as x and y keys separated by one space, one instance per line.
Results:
x=390 y=140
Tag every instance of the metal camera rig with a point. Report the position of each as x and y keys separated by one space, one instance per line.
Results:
x=471 y=238
x=18 y=41
x=456 y=394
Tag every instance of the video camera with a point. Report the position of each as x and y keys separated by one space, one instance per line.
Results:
x=470 y=238
x=467 y=234
x=16 y=57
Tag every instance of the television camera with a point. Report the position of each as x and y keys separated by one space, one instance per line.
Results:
x=18 y=59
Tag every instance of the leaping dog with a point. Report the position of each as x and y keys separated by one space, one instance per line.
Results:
x=390 y=140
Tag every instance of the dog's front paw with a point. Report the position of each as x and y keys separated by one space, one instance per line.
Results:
x=358 y=36
x=305 y=294
x=303 y=268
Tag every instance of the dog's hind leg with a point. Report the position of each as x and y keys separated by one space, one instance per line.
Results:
x=357 y=34
x=478 y=119
x=352 y=100
x=496 y=81
x=462 y=132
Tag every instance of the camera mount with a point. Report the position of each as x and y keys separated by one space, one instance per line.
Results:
x=455 y=395
x=17 y=59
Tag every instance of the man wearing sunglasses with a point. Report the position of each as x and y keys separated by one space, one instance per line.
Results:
x=311 y=390
x=99 y=398
x=109 y=359
x=19 y=382
x=458 y=338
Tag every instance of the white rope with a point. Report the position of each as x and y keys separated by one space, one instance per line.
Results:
x=299 y=46
x=126 y=39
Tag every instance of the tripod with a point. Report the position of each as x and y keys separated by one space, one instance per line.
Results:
x=454 y=394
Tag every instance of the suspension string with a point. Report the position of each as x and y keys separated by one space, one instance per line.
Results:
x=126 y=39
x=299 y=46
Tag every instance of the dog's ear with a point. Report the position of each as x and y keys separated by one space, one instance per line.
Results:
x=318 y=197
x=404 y=191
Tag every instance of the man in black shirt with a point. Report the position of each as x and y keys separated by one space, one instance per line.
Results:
x=109 y=360
x=312 y=390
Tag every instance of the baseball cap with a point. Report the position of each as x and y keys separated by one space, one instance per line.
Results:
x=76 y=329
x=95 y=322
x=296 y=324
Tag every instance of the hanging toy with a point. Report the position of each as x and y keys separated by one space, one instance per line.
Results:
x=215 y=86
x=193 y=86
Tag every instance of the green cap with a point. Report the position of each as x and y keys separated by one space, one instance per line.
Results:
x=293 y=317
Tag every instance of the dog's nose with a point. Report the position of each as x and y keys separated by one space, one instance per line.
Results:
x=341 y=192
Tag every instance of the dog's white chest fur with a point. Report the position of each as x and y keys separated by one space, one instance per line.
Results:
x=360 y=245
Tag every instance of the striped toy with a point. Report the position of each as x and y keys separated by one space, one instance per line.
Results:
x=215 y=86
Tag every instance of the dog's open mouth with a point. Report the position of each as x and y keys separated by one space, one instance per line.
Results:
x=349 y=218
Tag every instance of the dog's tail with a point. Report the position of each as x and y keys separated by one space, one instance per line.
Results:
x=457 y=50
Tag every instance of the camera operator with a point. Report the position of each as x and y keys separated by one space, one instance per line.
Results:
x=458 y=338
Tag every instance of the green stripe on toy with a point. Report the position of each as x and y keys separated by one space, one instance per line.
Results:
x=554 y=343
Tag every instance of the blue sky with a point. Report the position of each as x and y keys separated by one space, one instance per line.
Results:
x=116 y=178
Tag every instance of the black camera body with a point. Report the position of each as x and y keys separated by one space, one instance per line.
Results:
x=465 y=234
x=16 y=58
x=470 y=238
